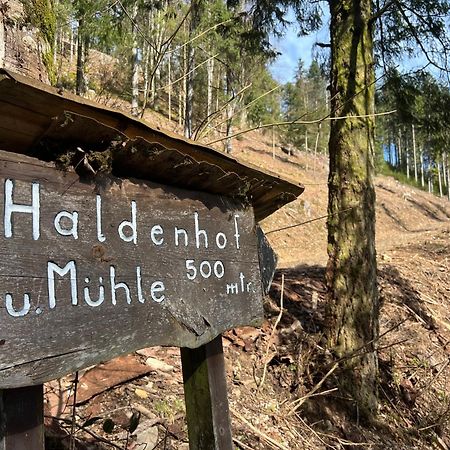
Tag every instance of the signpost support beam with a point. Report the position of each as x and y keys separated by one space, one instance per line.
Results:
x=22 y=418
x=205 y=392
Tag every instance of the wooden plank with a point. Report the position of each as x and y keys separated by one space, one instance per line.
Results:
x=77 y=290
x=22 y=418
x=205 y=390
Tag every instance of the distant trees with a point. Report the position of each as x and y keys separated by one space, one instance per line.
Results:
x=199 y=62
x=416 y=140
x=307 y=99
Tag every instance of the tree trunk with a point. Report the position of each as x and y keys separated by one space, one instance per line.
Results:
x=2 y=41
x=169 y=76
x=444 y=169
x=353 y=305
x=229 y=112
x=422 y=169
x=448 y=178
x=71 y=45
x=209 y=96
x=190 y=49
x=414 y=152
x=134 y=64
x=82 y=44
x=439 y=178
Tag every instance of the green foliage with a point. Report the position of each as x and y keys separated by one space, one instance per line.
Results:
x=306 y=100
x=42 y=15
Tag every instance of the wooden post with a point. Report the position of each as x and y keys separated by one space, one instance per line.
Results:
x=205 y=392
x=22 y=418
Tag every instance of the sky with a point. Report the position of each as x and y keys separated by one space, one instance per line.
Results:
x=292 y=48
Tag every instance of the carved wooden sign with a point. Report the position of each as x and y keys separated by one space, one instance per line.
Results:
x=93 y=270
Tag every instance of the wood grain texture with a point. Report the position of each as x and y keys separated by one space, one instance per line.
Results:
x=22 y=418
x=205 y=391
x=45 y=340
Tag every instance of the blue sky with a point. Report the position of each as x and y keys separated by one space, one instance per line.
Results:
x=292 y=47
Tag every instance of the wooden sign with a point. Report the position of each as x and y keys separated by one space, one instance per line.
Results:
x=92 y=270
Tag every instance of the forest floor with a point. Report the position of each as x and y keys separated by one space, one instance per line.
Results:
x=280 y=380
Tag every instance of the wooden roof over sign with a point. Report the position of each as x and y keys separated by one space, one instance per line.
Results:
x=40 y=121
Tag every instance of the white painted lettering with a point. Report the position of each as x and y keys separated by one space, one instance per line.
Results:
x=101 y=294
x=115 y=286
x=242 y=277
x=131 y=225
x=98 y=203
x=139 y=285
x=219 y=269
x=12 y=311
x=205 y=273
x=11 y=207
x=157 y=286
x=232 y=288
x=221 y=240
x=199 y=232
x=73 y=231
x=191 y=270
x=156 y=231
x=236 y=234
x=53 y=268
x=182 y=231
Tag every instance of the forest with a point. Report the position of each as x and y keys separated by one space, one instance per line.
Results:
x=364 y=254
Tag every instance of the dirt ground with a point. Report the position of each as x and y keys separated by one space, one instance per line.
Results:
x=282 y=390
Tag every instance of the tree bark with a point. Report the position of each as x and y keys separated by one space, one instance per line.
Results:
x=422 y=169
x=190 y=49
x=209 y=97
x=448 y=177
x=135 y=64
x=82 y=50
x=2 y=41
x=414 y=152
x=353 y=305
x=439 y=178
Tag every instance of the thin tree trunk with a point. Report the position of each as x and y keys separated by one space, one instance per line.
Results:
x=439 y=179
x=316 y=145
x=400 y=156
x=444 y=169
x=407 y=164
x=82 y=44
x=448 y=177
x=189 y=81
x=2 y=42
x=71 y=45
x=229 y=112
x=422 y=169
x=306 y=139
x=414 y=152
x=353 y=305
x=169 y=76
x=209 y=96
x=135 y=64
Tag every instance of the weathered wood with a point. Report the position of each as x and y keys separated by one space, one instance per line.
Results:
x=205 y=391
x=75 y=292
x=267 y=260
x=22 y=418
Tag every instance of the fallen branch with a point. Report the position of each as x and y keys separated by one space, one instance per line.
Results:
x=259 y=433
x=295 y=405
